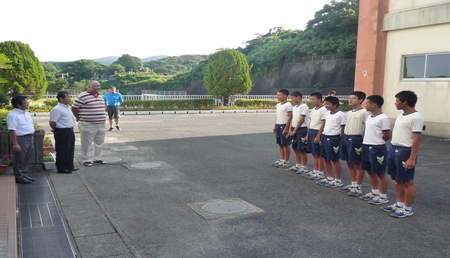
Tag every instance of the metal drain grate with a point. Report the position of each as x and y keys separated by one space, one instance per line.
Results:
x=224 y=207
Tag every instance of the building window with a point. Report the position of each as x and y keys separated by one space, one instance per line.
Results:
x=429 y=67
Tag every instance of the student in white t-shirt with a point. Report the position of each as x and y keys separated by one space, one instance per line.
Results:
x=316 y=122
x=351 y=145
x=299 y=130
x=330 y=142
x=374 y=155
x=281 y=128
x=402 y=156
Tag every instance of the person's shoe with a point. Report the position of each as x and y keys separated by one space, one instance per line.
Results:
x=345 y=188
x=111 y=129
x=323 y=181
x=99 y=161
x=285 y=165
x=22 y=180
x=368 y=196
x=88 y=164
x=74 y=169
x=390 y=208
x=378 y=200
x=293 y=168
x=317 y=176
x=355 y=191
x=308 y=173
x=401 y=213
x=29 y=178
x=65 y=172
x=276 y=163
x=302 y=170
x=118 y=128
x=334 y=183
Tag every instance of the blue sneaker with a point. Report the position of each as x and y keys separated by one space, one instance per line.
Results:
x=323 y=181
x=355 y=191
x=401 y=213
x=368 y=196
x=345 y=188
x=316 y=176
x=378 y=200
x=390 y=208
x=334 y=183
x=293 y=168
x=277 y=163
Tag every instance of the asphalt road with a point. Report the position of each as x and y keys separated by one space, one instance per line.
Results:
x=119 y=210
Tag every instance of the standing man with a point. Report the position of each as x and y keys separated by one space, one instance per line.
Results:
x=89 y=109
x=21 y=131
x=402 y=157
x=62 y=122
x=113 y=100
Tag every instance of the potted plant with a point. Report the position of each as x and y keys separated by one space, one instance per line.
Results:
x=49 y=160
x=5 y=160
x=48 y=146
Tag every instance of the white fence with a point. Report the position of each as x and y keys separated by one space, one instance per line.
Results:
x=218 y=102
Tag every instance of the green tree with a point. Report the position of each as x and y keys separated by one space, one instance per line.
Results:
x=83 y=69
x=131 y=63
x=27 y=74
x=5 y=63
x=228 y=73
x=114 y=68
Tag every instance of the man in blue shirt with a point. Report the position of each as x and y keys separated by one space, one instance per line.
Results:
x=113 y=100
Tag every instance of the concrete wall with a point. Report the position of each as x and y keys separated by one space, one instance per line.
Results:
x=432 y=94
x=337 y=75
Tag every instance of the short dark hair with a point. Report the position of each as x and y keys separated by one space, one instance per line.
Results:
x=284 y=91
x=361 y=95
x=408 y=96
x=18 y=100
x=296 y=94
x=62 y=94
x=332 y=100
x=316 y=94
x=376 y=99
x=112 y=87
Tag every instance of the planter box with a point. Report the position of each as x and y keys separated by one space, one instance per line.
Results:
x=49 y=165
x=37 y=154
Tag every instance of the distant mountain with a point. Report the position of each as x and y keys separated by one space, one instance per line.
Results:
x=108 y=60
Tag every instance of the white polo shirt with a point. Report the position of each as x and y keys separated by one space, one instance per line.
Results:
x=282 y=112
x=404 y=127
x=63 y=116
x=20 y=121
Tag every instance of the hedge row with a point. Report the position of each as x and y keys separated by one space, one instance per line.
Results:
x=172 y=104
x=270 y=104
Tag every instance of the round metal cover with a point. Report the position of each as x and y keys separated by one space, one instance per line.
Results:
x=144 y=165
x=224 y=207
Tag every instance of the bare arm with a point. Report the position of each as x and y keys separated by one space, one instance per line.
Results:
x=52 y=125
x=411 y=162
x=319 y=135
x=288 y=124
x=75 y=113
x=386 y=135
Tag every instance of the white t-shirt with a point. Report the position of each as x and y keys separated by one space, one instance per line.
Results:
x=282 y=113
x=405 y=126
x=334 y=122
x=297 y=112
x=316 y=117
x=356 y=120
x=375 y=125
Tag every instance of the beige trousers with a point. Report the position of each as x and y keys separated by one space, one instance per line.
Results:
x=91 y=133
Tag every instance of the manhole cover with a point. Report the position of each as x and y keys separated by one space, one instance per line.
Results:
x=145 y=165
x=223 y=207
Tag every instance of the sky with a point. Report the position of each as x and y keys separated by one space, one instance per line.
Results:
x=70 y=30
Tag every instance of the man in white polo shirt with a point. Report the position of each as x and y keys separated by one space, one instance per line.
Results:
x=21 y=131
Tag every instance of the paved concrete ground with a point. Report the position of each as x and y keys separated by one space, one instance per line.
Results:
x=116 y=210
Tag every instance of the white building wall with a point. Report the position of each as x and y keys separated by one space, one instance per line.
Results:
x=432 y=95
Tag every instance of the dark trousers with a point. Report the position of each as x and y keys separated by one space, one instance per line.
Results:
x=22 y=158
x=65 y=148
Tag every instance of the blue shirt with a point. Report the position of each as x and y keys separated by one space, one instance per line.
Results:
x=113 y=99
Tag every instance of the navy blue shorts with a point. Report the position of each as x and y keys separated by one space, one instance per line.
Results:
x=351 y=148
x=281 y=139
x=312 y=147
x=396 y=163
x=374 y=158
x=330 y=147
x=298 y=141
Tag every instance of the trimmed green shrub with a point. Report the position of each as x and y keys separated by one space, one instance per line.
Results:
x=172 y=104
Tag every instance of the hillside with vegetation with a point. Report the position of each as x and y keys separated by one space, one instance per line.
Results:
x=333 y=30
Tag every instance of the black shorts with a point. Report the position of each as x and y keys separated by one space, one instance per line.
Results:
x=113 y=112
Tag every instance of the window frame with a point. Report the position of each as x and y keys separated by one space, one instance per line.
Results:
x=402 y=78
